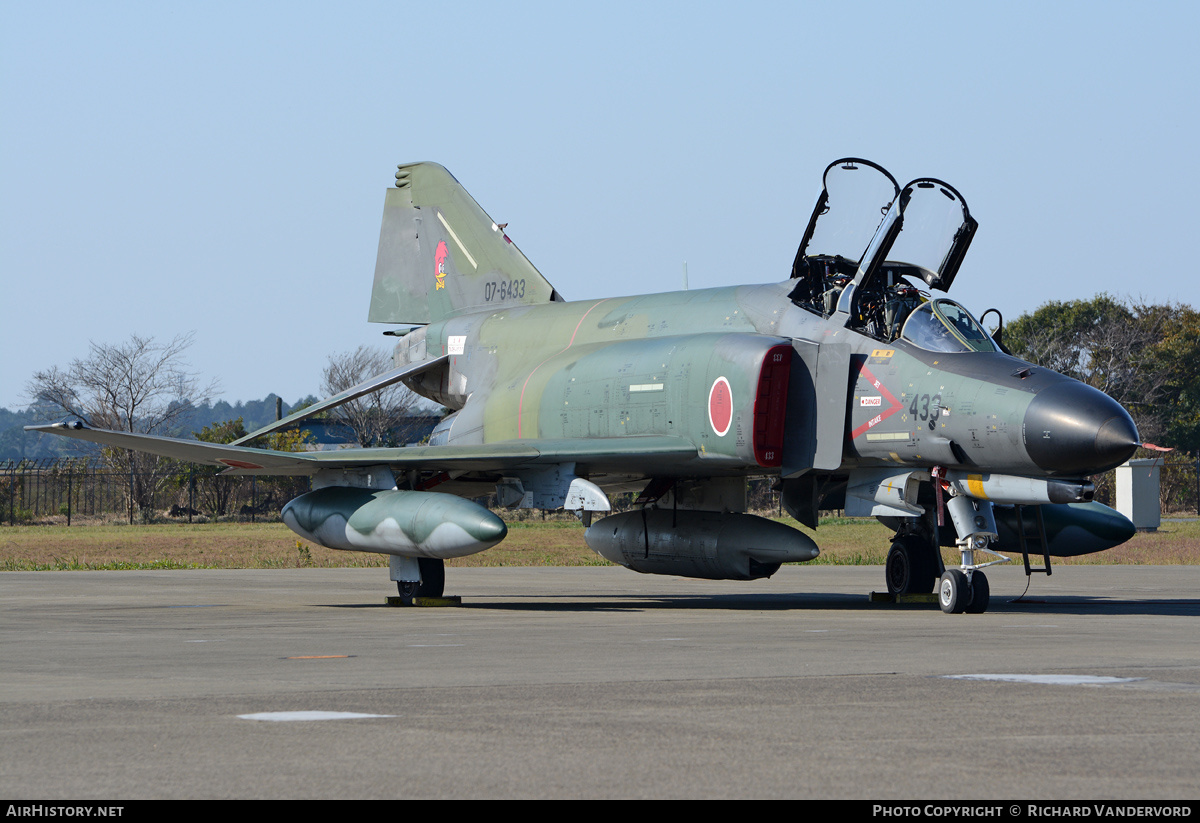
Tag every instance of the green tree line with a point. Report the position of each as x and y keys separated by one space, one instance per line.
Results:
x=18 y=444
x=1146 y=356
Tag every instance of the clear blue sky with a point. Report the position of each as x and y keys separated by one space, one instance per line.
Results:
x=220 y=167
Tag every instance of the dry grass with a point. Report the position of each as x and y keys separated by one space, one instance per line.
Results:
x=529 y=543
x=854 y=541
x=252 y=546
x=1176 y=543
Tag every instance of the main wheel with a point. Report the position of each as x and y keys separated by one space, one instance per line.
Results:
x=408 y=590
x=981 y=593
x=432 y=583
x=433 y=577
x=954 y=593
x=909 y=568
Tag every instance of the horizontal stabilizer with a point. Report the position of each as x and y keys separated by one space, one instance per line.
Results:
x=379 y=381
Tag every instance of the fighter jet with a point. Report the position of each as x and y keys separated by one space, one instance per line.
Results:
x=854 y=383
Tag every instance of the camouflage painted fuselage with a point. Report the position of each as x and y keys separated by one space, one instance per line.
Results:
x=652 y=365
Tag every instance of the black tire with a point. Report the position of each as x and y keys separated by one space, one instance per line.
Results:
x=981 y=594
x=433 y=577
x=432 y=584
x=909 y=568
x=407 y=590
x=954 y=593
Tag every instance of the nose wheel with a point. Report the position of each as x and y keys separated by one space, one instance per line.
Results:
x=966 y=589
x=958 y=594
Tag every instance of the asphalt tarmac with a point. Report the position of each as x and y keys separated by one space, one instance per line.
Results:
x=596 y=683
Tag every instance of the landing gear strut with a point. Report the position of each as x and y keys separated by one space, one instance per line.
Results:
x=966 y=588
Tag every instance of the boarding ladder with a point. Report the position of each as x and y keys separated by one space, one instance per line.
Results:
x=1034 y=539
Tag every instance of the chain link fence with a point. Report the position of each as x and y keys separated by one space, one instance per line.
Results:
x=92 y=490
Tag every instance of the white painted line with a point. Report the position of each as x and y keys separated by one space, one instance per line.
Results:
x=1049 y=679
x=461 y=247
x=290 y=716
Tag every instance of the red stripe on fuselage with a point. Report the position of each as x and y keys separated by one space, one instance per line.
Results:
x=884 y=415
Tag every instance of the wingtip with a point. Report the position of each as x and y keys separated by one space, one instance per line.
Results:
x=46 y=427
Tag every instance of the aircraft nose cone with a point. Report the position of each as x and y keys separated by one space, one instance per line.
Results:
x=1071 y=428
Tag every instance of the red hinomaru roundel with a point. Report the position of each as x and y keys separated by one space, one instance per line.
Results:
x=720 y=406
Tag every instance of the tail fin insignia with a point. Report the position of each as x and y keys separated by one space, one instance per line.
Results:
x=440 y=254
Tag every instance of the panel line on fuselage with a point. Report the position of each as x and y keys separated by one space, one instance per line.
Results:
x=571 y=342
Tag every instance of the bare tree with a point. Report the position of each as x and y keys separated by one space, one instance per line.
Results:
x=377 y=419
x=136 y=386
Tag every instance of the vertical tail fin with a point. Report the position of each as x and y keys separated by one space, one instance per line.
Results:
x=440 y=254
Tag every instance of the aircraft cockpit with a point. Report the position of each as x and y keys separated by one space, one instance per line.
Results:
x=943 y=325
x=869 y=240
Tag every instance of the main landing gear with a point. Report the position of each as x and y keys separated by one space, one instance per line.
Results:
x=912 y=565
x=431 y=584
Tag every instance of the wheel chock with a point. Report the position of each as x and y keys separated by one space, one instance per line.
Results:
x=888 y=597
x=427 y=602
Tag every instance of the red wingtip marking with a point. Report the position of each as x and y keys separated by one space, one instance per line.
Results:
x=238 y=464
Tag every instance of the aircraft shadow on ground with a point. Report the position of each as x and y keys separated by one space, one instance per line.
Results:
x=824 y=601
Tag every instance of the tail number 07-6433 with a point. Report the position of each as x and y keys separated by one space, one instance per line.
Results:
x=504 y=290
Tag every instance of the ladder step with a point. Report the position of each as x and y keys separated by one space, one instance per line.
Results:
x=1038 y=538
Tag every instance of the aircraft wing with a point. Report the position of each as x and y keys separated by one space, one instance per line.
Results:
x=632 y=454
x=194 y=451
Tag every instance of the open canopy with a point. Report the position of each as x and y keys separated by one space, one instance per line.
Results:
x=854 y=199
x=868 y=239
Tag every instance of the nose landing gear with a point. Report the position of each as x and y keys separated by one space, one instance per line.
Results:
x=957 y=593
x=966 y=588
